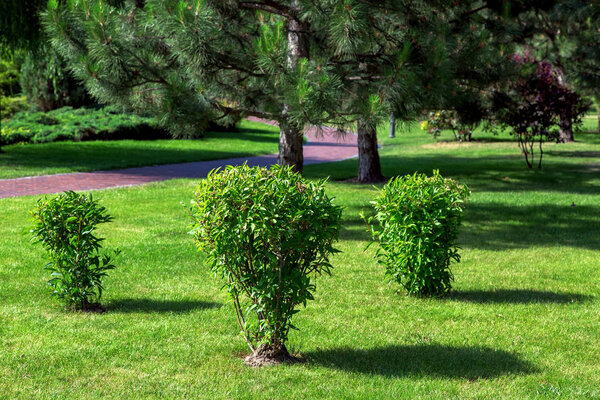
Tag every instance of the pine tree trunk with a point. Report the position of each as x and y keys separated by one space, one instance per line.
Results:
x=290 y=146
x=565 y=134
x=290 y=137
x=369 y=166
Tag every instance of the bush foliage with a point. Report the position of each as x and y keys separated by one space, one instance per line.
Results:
x=267 y=233
x=416 y=222
x=65 y=226
x=10 y=105
x=437 y=121
x=68 y=124
x=535 y=105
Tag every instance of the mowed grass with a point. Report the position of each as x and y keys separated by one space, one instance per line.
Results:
x=251 y=138
x=523 y=320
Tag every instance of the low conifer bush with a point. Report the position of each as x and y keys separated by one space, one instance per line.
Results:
x=416 y=223
x=65 y=226
x=267 y=233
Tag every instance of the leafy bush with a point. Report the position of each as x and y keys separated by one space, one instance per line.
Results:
x=416 y=221
x=67 y=124
x=65 y=226
x=447 y=120
x=13 y=133
x=534 y=106
x=12 y=105
x=265 y=232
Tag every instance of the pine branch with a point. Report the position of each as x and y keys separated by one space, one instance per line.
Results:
x=252 y=113
x=271 y=7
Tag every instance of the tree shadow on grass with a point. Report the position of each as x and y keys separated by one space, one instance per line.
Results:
x=81 y=157
x=499 y=226
x=355 y=229
x=517 y=296
x=249 y=134
x=575 y=154
x=158 y=306
x=482 y=172
x=424 y=360
x=502 y=226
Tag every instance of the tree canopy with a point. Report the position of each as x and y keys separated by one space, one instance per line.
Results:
x=298 y=62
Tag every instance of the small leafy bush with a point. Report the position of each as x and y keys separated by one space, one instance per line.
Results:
x=267 y=233
x=438 y=121
x=416 y=222
x=65 y=226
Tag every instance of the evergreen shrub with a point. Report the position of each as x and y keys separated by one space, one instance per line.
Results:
x=416 y=222
x=65 y=226
x=82 y=124
x=267 y=233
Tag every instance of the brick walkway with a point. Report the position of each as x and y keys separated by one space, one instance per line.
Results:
x=328 y=147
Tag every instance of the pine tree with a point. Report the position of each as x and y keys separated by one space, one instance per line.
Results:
x=188 y=62
x=298 y=62
x=401 y=57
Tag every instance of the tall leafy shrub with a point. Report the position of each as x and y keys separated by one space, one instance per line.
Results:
x=267 y=233
x=416 y=222
x=535 y=105
x=65 y=226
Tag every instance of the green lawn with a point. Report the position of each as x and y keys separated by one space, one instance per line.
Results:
x=522 y=322
x=60 y=157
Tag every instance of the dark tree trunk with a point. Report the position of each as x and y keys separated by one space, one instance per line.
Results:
x=290 y=137
x=565 y=133
x=290 y=146
x=598 y=118
x=369 y=166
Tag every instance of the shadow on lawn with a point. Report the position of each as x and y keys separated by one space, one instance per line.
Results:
x=484 y=172
x=489 y=173
x=94 y=155
x=158 y=306
x=247 y=134
x=103 y=156
x=424 y=360
x=498 y=226
x=517 y=296
x=575 y=154
x=501 y=226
